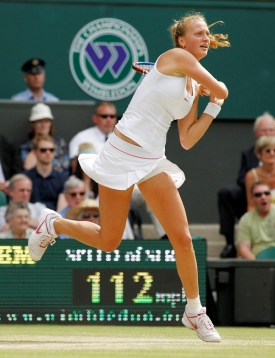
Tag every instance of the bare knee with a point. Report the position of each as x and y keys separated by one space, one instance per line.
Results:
x=110 y=245
x=182 y=241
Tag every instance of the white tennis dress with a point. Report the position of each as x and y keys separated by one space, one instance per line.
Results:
x=158 y=101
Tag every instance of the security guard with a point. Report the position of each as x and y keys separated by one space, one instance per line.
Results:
x=35 y=79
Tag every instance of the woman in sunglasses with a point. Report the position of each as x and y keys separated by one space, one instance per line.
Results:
x=265 y=151
x=41 y=121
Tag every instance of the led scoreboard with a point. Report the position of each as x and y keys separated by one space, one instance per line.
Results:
x=73 y=283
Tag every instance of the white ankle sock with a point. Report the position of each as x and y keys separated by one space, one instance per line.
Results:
x=52 y=229
x=194 y=305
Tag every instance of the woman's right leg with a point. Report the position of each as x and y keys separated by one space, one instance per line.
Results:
x=113 y=206
x=161 y=194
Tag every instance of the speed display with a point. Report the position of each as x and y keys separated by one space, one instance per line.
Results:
x=73 y=283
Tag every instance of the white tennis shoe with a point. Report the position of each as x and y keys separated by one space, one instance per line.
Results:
x=44 y=235
x=202 y=324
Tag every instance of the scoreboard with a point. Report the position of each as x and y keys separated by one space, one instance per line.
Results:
x=73 y=283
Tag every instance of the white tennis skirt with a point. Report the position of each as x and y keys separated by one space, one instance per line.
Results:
x=121 y=165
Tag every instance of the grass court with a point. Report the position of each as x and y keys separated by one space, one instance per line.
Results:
x=57 y=341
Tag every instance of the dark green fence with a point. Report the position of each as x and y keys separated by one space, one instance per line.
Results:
x=47 y=28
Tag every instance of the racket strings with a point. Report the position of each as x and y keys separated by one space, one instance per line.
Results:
x=146 y=68
x=143 y=67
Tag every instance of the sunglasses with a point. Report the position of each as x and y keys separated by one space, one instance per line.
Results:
x=73 y=195
x=261 y=193
x=44 y=150
x=268 y=150
x=106 y=115
x=88 y=215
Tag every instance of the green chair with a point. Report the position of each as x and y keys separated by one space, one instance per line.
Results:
x=3 y=199
x=266 y=254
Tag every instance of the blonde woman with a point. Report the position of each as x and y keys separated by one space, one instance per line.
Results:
x=135 y=155
x=265 y=151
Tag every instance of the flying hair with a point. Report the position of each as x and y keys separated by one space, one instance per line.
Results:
x=179 y=28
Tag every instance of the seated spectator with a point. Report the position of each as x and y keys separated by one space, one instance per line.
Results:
x=18 y=217
x=91 y=185
x=35 y=79
x=88 y=210
x=232 y=199
x=41 y=120
x=20 y=189
x=9 y=163
x=73 y=194
x=47 y=182
x=265 y=151
x=256 y=230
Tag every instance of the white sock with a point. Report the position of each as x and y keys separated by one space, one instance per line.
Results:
x=52 y=229
x=194 y=305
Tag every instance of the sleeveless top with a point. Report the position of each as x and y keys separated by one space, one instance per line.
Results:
x=158 y=101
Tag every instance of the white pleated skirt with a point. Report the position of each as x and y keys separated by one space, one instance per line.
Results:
x=121 y=165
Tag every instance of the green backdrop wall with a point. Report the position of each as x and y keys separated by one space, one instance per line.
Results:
x=47 y=28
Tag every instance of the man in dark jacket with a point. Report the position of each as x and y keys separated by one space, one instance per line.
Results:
x=10 y=163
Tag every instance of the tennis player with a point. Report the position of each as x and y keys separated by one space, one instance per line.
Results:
x=135 y=155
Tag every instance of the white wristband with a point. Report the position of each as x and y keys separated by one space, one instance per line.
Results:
x=212 y=109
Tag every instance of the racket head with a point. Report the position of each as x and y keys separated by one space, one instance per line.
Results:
x=143 y=67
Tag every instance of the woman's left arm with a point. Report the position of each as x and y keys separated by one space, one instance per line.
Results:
x=192 y=129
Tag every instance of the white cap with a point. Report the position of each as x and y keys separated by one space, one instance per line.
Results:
x=40 y=111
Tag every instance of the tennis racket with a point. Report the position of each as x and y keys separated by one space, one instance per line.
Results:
x=143 y=67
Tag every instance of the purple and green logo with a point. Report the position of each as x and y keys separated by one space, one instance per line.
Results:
x=101 y=56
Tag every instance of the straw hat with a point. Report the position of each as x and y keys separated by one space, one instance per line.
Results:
x=85 y=204
x=86 y=148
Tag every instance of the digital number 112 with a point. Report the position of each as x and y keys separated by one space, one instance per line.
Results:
x=118 y=280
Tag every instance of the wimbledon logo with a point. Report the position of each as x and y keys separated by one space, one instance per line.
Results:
x=101 y=56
